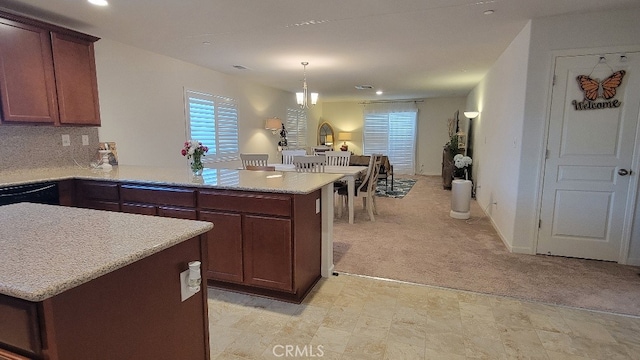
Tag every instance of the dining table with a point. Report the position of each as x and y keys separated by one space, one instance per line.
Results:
x=351 y=173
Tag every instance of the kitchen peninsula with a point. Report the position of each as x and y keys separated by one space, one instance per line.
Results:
x=273 y=230
x=86 y=284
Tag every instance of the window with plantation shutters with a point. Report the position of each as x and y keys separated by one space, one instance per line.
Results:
x=392 y=134
x=296 y=126
x=213 y=120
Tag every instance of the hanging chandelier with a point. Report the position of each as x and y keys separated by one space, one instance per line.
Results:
x=303 y=97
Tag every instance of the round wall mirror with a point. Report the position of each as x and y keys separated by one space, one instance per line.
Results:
x=326 y=135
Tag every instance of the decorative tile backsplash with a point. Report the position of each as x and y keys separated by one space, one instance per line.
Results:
x=24 y=147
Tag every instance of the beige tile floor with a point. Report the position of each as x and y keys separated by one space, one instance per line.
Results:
x=354 y=317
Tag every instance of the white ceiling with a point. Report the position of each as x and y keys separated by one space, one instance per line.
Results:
x=406 y=48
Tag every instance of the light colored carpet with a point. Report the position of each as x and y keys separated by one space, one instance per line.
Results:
x=415 y=240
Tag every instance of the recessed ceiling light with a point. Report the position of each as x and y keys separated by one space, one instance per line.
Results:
x=379 y=92
x=488 y=12
x=206 y=43
x=99 y=2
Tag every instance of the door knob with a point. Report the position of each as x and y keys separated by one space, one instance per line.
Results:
x=624 y=172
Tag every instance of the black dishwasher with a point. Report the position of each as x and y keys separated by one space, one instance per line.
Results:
x=43 y=193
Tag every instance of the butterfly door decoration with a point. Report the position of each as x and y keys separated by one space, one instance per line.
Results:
x=606 y=89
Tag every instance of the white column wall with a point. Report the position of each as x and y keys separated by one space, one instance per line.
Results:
x=497 y=133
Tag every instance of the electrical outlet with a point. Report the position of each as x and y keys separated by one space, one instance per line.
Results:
x=85 y=140
x=66 y=140
x=185 y=292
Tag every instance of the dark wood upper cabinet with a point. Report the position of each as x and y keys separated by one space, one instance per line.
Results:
x=47 y=74
x=76 y=81
x=27 y=83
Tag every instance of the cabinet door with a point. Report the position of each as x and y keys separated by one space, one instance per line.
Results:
x=98 y=195
x=267 y=252
x=224 y=246
x=27 y=85
x=76 y=82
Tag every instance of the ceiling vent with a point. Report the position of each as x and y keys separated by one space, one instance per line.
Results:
x=240 y=67
x=364 y=87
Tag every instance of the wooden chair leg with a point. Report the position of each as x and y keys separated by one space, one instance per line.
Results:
x=374 y=204
x=370 y=210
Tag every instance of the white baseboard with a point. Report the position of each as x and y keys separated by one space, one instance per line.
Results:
x=633 y=261
x=510 y=248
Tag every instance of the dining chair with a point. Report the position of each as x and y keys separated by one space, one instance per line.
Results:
x=254 y=159
x=321 y=149
x=309 y=163
x=366 y=188
x=287 y=155
x=260 y=168
x=337 y=158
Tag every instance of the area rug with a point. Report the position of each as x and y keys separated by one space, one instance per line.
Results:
x=401 y=188
x=416 y=240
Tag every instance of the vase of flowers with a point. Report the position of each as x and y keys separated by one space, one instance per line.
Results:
x=461 y=164
x=194 y=150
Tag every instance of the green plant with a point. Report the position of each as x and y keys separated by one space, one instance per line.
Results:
x=452 y=145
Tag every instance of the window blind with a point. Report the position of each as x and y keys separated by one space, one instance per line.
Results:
x=213 y=120
x=296 y=125
x=392 y=134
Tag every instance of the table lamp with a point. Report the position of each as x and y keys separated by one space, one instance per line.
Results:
x=344 y=136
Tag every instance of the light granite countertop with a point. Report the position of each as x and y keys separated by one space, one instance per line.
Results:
x=46 y=250
x=230 y=179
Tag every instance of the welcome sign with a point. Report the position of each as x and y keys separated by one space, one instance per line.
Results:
x=594 y=89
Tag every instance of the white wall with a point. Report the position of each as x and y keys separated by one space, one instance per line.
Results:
x=497 y=133
x=584 y=31
x=433 y=131
x=432 y=128
x=345 y=117
x=142 y=104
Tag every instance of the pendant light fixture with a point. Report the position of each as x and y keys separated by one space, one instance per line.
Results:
x=303 y=97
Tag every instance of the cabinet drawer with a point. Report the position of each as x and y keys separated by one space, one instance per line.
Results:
x=253 y=203
x=158 y=195
x=99 y=190
x=189 y=214
x=101 y=205
x=142 y=209
x=19 y=326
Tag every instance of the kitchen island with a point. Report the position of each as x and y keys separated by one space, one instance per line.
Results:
x=87 y=284
x=273 y=234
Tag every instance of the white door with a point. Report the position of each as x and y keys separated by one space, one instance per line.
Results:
x=590 y=147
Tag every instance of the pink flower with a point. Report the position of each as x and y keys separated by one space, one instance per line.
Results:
x=184 y=152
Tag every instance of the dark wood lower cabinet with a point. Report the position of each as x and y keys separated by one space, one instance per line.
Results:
x=99 y=195
x=262 y=243
x=224 y=247
x=268 y=250
x=134 y=312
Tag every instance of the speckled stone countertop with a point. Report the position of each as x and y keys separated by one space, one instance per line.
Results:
x=46 y=249
x=264 y=181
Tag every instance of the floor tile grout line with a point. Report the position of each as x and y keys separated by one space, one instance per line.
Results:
x=493 y=295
